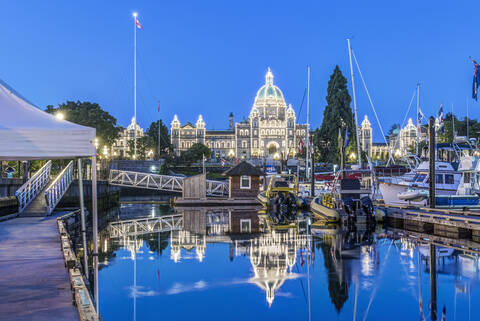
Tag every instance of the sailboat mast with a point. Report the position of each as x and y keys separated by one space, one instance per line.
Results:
x=135 y=84
x=359 y=155
x=307 y=170
x=468 y=135
x=418 y=121
x=453 y=127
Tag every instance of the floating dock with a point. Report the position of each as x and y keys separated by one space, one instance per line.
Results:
x=457 y=224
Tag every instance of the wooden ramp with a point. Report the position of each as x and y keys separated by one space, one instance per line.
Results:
x=34 y=284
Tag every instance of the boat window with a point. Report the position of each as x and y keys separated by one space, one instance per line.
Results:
x=438 y=179
x=449 y=179
x=420 y=177
x=466 y=177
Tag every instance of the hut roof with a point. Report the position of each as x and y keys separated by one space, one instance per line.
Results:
x=244 y=168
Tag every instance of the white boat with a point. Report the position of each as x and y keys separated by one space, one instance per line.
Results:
x=446 y=183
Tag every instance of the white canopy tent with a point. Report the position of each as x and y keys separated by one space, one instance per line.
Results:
x=28 y=133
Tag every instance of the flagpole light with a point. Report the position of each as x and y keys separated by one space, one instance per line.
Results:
x=134 y=14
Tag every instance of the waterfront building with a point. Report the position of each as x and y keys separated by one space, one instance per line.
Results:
x=271 y=130
x=120 y=145
x=244 y=181
x=401 y=141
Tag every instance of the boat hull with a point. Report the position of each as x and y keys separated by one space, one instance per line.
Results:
x=322 y=212
x=390 y=193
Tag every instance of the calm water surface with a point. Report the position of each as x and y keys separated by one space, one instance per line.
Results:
x=228 y=265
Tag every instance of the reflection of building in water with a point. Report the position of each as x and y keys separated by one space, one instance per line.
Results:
x=272 y=257
x=188 y=241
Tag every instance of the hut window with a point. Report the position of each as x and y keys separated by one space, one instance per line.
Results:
x=245 y=182
x=245 y=226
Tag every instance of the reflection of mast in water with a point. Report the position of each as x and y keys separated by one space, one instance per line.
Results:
x=272 y=257
x=340 y=248
x=188 y=241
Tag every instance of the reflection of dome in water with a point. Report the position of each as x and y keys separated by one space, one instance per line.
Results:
x=272 y=257
x=188 y=241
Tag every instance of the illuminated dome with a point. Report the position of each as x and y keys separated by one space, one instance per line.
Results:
x=269 y=90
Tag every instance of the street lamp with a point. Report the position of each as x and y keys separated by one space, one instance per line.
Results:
x=59 y=116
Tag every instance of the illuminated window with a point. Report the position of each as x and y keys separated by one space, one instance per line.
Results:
x=245 y=182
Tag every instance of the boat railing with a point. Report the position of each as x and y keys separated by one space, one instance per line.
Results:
x=28 y=191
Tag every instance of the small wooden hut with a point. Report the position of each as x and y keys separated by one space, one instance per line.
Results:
x=244 y=181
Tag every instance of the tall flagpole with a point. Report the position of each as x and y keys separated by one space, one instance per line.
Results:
x=135 y=82
x=359 y=155
x=307 y=171
x=468 y=135
x=159 y=132
x=418 y=122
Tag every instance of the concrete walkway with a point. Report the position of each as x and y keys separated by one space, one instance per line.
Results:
x=34 y=283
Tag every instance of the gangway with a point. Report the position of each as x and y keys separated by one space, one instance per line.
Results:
x=161 y=182
x=29 y=191
x=164 y=223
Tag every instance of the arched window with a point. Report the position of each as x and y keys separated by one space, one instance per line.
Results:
x=228 y=144
x=262 y=131
x=182 y=144
x=246 y=132
x=244 y=144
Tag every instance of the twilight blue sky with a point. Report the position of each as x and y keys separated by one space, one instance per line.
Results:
x=210 y=57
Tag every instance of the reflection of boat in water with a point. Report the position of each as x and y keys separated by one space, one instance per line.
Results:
x=348 y=198
x=281 y=189
x=440 y=251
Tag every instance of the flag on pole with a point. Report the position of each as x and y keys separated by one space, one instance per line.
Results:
x=476 y=80
x=159 y=106
x=420 y=118
x=300 y=146
x=137 y=23
x=440 y=119
x=223 y=162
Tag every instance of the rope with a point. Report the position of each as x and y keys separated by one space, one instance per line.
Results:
x=369 y=98
x=403 y=123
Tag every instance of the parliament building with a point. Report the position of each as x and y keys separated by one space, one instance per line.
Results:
x=271 y=130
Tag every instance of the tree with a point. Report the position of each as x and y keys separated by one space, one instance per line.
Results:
x=165 y=144
x=337 y=114
x=145 y=144
x=394 y=130
x=91 y=115
x=196 y=153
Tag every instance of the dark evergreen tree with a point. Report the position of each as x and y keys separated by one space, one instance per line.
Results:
x=337 y=114
x=165 y=144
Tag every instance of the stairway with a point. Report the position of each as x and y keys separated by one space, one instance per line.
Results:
x=38 y=207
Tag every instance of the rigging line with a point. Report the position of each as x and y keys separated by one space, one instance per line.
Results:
x=369 y=98
x=301 y=105
x=374 y=292
x=403 y=123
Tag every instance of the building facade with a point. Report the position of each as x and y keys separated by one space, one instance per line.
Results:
x=120 y=146
x=400 y=143
x=271 y=130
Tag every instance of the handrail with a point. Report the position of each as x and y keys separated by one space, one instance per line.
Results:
x=55 y=191
x=28 y=191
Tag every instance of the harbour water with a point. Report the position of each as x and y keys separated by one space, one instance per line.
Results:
x=230 y=265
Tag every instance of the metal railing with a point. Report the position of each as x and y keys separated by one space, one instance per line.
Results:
x=165 y=223
x=28 y=191
x=54 y=192
x=161 y=182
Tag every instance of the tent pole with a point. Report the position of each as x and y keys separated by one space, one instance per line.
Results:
x=82 y=217
x=95 y=229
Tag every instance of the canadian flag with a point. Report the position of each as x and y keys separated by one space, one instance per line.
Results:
x=139 y=26
x=300 y=146
x=223 y=162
